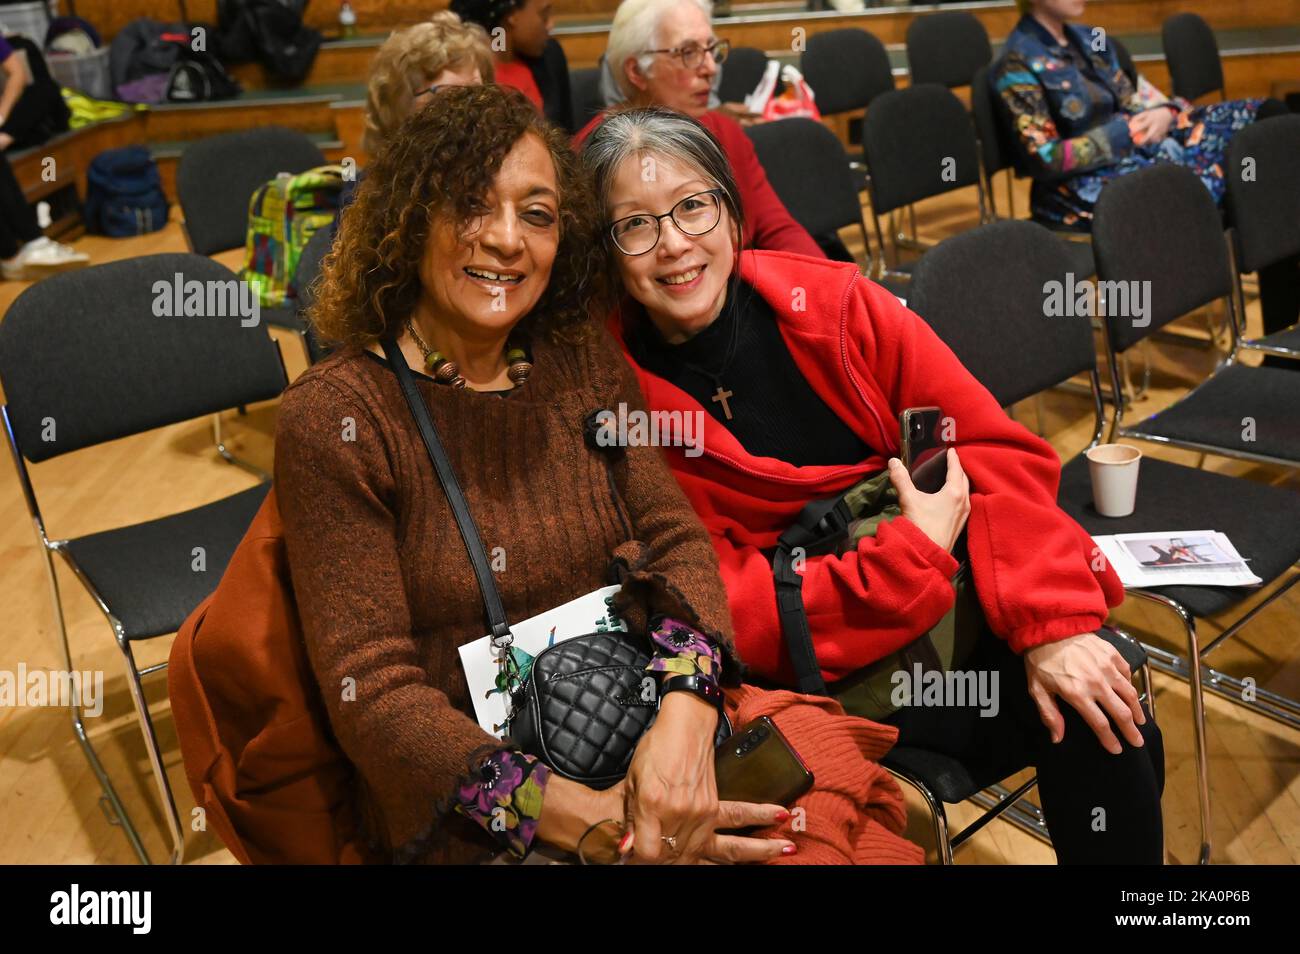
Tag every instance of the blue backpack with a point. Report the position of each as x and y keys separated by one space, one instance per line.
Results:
x=124 y=194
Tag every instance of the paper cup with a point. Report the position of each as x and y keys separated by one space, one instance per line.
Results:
x=1114 y=472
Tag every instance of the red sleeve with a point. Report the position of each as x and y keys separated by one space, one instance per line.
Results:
x=861 y=606
x=771 y=226
x=1036 y=571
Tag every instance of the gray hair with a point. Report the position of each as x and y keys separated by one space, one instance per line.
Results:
x=655 y=131
x=636 y=29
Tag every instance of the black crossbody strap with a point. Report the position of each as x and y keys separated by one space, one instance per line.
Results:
x=496 y=612
x=818 y=523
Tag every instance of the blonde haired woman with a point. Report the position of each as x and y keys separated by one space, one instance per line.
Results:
x=414 y=62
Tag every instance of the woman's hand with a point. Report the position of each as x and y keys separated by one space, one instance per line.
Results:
x=1089 y=674
x=1150 y=125
x=941 y=516
x=670 y=788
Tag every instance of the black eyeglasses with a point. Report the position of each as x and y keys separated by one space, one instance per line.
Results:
x=696 y=214
x=692 y=54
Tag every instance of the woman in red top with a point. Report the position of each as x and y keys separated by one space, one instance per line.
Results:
x=518 y=30
x=797 y=369
x=664 y=53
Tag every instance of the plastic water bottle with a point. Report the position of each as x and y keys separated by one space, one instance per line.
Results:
x=347 y=20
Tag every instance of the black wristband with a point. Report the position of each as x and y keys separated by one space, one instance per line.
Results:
x=706 y=687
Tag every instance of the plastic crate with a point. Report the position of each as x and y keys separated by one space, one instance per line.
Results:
x=86 y=72
x=29 y=19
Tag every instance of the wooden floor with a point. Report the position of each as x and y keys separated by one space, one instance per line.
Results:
x=49 y=797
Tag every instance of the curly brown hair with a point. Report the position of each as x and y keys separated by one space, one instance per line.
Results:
x=442 y=162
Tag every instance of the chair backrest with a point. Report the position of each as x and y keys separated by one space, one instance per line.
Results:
x=1158 y=240
x=947 y=48
x=741 y=73
x=1125 y=59
x=1263 y=179
x=309 y=271
x=804 y=161
x=584 y=86
x=996 y=152
x=217 y=176
x=846 y=68
x=919 y=142
x=102 y=353
x=1193 y=56
x=986 y=294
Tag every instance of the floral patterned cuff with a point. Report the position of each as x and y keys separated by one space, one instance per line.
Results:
x=683 y=650
x=505 y=797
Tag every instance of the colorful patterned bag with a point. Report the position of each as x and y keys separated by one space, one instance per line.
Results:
x=283 y=214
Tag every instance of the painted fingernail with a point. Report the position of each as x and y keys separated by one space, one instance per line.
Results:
x=782 y=815
x=789 y=850
x=625 y=843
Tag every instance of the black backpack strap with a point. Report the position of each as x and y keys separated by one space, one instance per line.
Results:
x=496 y=613
x=819 y=524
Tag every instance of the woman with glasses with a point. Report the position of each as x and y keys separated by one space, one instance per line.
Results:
x=800 y=368
x=664 y=53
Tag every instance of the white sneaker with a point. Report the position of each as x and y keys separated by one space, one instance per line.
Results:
x=42 y=257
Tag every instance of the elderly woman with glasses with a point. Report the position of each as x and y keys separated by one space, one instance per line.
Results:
x=664 y=53
x=799 y=369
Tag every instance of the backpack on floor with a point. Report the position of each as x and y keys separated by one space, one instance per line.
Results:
x=124 y=194
x=283 y=215
x=198 y=77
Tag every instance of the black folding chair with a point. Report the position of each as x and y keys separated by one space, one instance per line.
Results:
x=584 y=86
x=1264 y=209
x=216 y=178
x=919 y=142
x=84 y=360
x=847 y=69
x=947 y=48
x=983 y=294
x=309 y=272
x=804 y=161
x=1192 y=53
x=1125 y=59
x=741 y=73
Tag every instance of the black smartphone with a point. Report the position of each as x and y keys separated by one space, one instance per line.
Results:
x=925 y=452
x=757 y=764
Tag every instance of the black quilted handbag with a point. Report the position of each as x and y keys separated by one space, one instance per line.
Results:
x=585 y=703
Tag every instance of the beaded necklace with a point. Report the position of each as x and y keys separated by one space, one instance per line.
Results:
x=443 y=370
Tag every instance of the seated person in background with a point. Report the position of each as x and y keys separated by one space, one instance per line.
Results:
x=796 y=414
x=26 y=254
x=416 y=61
x=411 y=65
x=480 y=181
x=664 y=53
x=526 y=58
x=1081 y=123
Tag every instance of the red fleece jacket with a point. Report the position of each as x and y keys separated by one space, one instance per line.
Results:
x=868 y=358
x=768 y=224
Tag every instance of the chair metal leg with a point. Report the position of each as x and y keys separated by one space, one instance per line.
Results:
x=119 y=815
x=1194 y=680
x=170 y=814
x=232 y=458
x=938 y=817
x=999 y=806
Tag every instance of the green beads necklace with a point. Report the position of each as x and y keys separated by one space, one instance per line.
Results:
x=443 y=370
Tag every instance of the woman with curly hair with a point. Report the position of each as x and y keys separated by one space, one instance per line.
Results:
x=473 y=245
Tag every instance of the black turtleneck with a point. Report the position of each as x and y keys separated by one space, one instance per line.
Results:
x=774 y=410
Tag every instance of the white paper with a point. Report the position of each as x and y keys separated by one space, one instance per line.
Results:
x=586 y=614
x=1176 y=558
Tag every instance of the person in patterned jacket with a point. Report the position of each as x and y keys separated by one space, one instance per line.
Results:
x=1080 y=122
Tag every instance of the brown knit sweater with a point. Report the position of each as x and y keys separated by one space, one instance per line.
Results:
x=384 y=585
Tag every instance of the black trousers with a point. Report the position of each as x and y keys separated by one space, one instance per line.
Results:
x=17 y=220
x=1100 y=808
